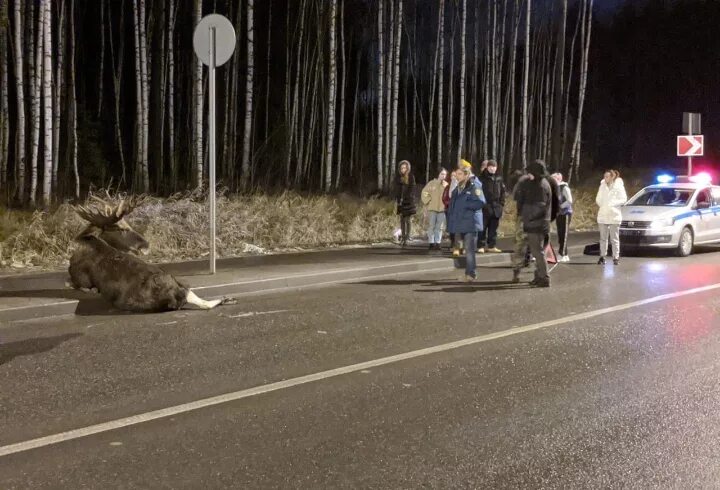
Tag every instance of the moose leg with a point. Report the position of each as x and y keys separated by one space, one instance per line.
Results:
x=193 y=299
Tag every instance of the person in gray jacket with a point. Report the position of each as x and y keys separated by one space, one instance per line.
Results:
x=534 y=197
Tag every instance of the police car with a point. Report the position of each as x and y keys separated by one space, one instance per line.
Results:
x=676 y=213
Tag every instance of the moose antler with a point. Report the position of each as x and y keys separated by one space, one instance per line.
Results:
x=107 y=214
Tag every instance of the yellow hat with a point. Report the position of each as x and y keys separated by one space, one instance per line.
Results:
x=465 y=163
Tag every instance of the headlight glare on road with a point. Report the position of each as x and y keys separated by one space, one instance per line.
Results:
x=662 y=223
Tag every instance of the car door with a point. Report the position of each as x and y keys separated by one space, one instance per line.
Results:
x=714 y=232
x=704 y=217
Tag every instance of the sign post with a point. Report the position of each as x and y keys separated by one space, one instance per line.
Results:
x=691 y=126
x=214 y=43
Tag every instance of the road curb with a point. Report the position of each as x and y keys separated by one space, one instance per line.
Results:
x=267 y=286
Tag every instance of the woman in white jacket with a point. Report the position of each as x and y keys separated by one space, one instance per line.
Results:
x=611 y=195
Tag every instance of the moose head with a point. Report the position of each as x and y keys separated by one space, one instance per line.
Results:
x=107 y=222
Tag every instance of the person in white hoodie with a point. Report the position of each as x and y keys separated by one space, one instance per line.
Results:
x=611 y=195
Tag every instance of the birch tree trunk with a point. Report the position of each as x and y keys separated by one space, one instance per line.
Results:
x=20 y=94
x=583 y=85
x=198 y=106
x=172 y=153
x=296 y=94
x=380 y=94
x=138 y=97
x=48 y=102
x=431 y=104
x=566 y=116
x=396 y=86
x=102 y=57
x=248 y=95
x=269 y=78
x=330 y=133
x=387 y=90
x=4 y=102
x=59 y=94
x=36 y=78
x=441 y=79
x=117 y=80
x=343 y=73
x=526 y=78
x=73 y=95
x=559 y=87
x=463 y=28
x=144 y=65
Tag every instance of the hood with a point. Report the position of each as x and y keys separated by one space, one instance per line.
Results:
x=648 y=213
x=409 y=165
x=537 y=169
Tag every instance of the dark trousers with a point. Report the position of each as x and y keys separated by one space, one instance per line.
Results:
x=537 y=243
x=563 y=227
x=488 y=236
x=405 y=227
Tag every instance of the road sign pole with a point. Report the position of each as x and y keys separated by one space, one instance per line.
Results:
x=214 y=42
x=689 y=166
x=211 y=116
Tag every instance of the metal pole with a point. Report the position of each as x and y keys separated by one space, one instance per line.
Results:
x=690 y=128
x=689 y=166
x=211 y=117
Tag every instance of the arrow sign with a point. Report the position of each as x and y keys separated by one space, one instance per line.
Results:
x=690 y=145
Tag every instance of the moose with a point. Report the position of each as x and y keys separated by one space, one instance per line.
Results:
x=106 y=260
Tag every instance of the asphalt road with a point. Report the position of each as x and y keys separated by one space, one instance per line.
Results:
x=584 y=386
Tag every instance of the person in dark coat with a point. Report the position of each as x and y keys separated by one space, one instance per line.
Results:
x=536 y=206
x=465 y=216
x=494 y=189
x=405 y=199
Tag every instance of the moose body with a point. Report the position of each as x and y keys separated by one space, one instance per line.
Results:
x=104 y=262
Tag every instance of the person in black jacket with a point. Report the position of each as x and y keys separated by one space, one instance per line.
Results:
x=537 y=203
x=405 y=199
x=494 y=189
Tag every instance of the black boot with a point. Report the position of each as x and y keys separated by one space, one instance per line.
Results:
x=601 y=261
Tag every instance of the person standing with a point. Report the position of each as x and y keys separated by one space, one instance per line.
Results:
x=494 y=189
x=465 y=216
x=564 y=216
x=534 y=197
x=432 y=199
x=611 y=195
x=405 y=199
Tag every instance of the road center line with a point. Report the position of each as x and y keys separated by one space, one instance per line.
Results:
x=280 y=385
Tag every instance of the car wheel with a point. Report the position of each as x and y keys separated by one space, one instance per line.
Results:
x=685 y=244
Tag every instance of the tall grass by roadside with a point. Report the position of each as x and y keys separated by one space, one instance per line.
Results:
x=177 y=227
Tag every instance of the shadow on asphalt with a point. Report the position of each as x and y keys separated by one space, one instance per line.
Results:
x=28 y=347
x=450 y=286
x=89 y=304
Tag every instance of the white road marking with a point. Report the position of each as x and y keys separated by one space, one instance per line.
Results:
x=362 y=367
x=255 y=313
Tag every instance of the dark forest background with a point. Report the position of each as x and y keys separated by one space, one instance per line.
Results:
x=304 y=104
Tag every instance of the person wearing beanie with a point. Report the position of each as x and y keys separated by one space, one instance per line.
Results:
x=494 y=189
x=465 y=216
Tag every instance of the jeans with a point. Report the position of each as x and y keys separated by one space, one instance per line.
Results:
x=436 y=222
x=489 y=233
x=611 y=232
x=537 y=248
x=470 y=242
x=405 y=227
x=563 y=227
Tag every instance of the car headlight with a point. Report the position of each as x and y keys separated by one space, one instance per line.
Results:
x=662 y=223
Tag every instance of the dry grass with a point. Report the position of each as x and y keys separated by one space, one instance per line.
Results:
x=177 y=227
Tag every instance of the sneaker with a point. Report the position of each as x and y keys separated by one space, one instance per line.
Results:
x=565 y=259
x=481 y=250
x=601 y=261
x=494 y=250
x=456 y=252
x=616 y=261
x=542 y=283
x=469 y=279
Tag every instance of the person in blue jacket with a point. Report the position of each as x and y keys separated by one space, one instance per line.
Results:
x=465 y=216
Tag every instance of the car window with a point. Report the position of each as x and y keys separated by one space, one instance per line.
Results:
x=715 y=194
x=662 y=197
x=703 y=197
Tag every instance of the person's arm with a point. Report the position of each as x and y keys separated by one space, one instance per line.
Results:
x=621 y=196
x=599 y=196
x=476 y=200
x=568 y=194
x=503 y=193
x=427 y=193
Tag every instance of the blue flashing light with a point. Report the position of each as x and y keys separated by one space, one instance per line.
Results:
x=665 y=179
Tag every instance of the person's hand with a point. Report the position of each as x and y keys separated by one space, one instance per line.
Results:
x=444 y=183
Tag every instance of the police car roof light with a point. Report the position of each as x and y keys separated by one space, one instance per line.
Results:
x=701 y=178
x=665 y=179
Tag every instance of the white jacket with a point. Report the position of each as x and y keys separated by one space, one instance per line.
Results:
x=609 y=199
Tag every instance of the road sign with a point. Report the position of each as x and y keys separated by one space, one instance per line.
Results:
x=214 y=42
x=690 y=145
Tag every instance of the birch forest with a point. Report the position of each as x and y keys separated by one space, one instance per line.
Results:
x=319 y=96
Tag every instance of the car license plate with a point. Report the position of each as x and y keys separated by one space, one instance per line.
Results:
x=630 y=232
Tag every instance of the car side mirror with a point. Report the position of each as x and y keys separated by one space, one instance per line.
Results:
x=702 y=205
